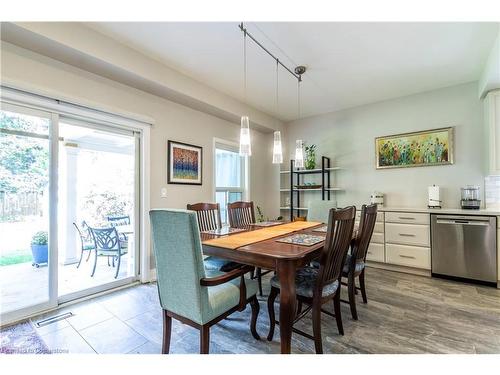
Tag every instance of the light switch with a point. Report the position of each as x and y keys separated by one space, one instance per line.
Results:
x=163 y=192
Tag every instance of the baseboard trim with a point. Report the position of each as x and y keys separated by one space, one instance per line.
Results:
x=396 y=268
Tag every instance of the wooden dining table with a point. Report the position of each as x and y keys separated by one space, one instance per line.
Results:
x=284 y=258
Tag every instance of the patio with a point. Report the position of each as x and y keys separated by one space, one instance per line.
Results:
x=23 y=285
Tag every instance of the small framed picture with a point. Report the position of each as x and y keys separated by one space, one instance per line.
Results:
x=184 y=163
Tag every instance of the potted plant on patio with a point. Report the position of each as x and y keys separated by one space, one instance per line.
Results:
x=40 y=248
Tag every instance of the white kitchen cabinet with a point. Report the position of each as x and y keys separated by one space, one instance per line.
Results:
x=498 y=251
x=492 y=122
x=411 y=256
x=376 y=249
x=376 y=252
x=408 y=234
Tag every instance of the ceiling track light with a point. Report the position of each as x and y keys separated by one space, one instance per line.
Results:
x=245 y=146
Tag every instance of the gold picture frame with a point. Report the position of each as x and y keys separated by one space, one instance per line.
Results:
x=415 y=149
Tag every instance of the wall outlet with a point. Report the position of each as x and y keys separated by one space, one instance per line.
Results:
x=163 y=192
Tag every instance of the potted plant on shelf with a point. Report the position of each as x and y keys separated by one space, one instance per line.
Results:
x=310 y=154
x=40 y=248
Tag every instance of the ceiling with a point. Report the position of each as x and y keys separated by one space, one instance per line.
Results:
x=348 y=64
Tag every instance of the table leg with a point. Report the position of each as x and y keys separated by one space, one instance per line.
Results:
x=286 y=273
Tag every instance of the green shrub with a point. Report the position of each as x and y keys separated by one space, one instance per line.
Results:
x=40 y=238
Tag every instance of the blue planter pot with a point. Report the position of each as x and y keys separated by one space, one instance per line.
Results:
x=40 y=254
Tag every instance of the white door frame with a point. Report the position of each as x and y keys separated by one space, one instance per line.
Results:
x=52 y=267
x=143 y=125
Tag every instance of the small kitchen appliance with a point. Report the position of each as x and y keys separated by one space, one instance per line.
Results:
x=434 y=201
x=470 y=198
x=377 y=198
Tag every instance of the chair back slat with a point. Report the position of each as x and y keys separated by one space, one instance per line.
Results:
x=338 y=238
x=208 y=215
x=365 y=231
x=241 y=214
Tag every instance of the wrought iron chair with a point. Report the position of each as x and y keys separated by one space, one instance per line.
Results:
x=241 y=215
x=315 y=287
x=107 y=243
x=86 y=241
x=354 y=266
x=116 y=221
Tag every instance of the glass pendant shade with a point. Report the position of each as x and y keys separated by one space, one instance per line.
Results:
x=277 y=150
x=245 y=148
x=299 y=154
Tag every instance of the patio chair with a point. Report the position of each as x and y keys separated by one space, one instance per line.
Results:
x=116 y=221
x=107 y=243
x=86 y=240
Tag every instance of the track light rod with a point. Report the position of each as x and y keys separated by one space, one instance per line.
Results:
x=244 y=30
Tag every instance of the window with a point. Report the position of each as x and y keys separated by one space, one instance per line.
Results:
x=229 y=176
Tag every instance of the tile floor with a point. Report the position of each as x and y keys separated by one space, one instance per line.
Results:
x=404 y=314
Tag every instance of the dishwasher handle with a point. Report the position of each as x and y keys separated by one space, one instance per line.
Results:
x=463 y=222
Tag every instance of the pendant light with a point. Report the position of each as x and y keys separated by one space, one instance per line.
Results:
x=299 y=152
x=245 y=147
x=277 y=149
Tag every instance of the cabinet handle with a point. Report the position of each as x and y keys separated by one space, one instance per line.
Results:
x=407 y=256
x=406 y=218
x=406 y=235
x=369 y=252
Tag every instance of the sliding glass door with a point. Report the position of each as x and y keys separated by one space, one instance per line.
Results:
x=69 y=208
x=28 y=239
x=97 y=210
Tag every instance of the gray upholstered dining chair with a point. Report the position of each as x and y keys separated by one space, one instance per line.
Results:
x=187 y=291
x=318 y=210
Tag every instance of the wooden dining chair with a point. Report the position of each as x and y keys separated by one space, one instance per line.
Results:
x=354 y=266
x=317 y=286
x=241 y=215
x=188 y=292
x=208 y=215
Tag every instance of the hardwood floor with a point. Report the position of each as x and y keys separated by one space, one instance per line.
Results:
x=404 y=314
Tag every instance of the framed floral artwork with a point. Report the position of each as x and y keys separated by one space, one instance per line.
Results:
x=418 y=149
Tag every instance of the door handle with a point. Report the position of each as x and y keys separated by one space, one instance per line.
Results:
x=407 y=256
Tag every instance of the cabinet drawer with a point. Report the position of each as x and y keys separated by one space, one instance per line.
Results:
x=411 y=256
x=377 y=238
x=378 y=228
x=407 y=234
x=407 y=217
x=380 y=216
x=375 y=252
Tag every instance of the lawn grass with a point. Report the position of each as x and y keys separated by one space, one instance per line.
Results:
x=15 y=257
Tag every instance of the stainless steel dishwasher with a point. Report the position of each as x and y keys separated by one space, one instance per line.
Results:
x=464 y=247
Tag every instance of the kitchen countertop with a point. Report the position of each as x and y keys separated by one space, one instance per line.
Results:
x=449 y=211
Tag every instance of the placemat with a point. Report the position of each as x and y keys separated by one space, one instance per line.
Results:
x=242 y=239
x=302 y=239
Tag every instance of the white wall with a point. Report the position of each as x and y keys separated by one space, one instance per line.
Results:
x=348 y=137
x=172 y=121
